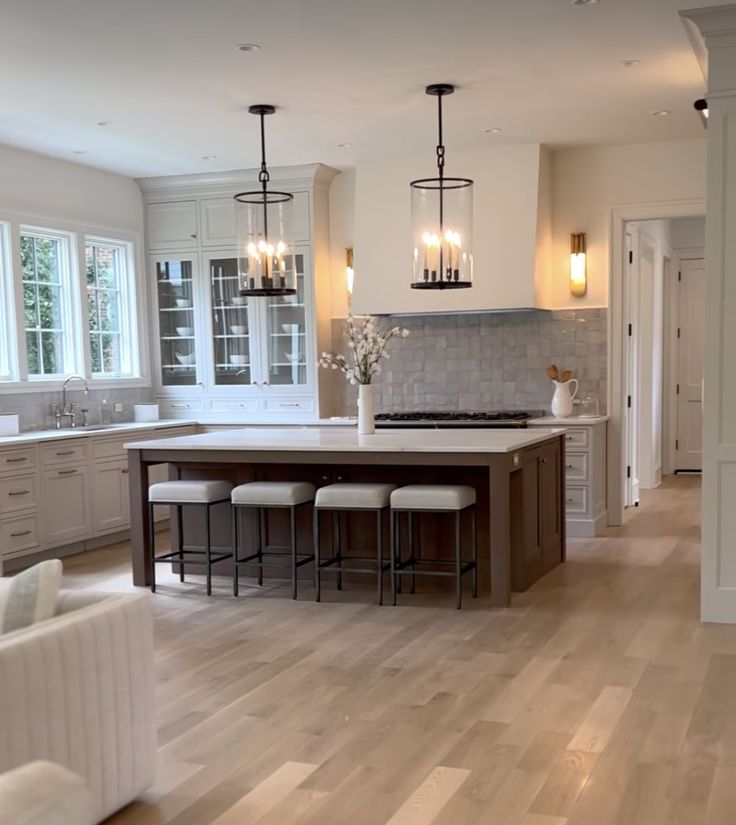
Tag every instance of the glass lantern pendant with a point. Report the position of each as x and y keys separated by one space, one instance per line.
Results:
x=263 y=220
x=442 y=221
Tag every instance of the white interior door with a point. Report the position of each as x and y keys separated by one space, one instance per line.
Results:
x=631 y=379
x=691 y=313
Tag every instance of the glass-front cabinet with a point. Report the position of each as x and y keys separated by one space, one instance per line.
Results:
x=286 y=332
x=176 y=294
x=231 y=325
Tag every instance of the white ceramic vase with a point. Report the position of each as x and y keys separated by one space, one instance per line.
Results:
x=563 y=398
x=366 y=422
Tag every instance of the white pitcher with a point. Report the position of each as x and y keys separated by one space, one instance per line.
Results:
x=563 y=398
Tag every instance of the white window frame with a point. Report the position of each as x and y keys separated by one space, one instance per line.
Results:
x=130 y=354
x=8 y=327
x=69 y=308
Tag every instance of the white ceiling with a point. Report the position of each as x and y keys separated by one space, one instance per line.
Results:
x=168 y=76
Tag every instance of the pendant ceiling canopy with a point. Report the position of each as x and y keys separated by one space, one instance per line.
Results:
x=264 y=232
x=442 y=220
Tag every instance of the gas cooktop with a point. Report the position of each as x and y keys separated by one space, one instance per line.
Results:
x=496 y=418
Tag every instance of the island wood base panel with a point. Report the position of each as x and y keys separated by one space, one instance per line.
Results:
x=520 y=508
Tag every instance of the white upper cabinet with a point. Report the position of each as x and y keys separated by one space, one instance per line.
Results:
x=217 y=218
x=510 y=232
x=172 y=225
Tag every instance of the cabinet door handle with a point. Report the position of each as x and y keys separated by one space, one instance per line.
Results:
x=542 y=460
x=15 y=460
x=19 y=493
x=67 y=472
x=570 y=500
x=568 y=438
x=193 y=235
x=65 y=452
x=285 y=404
x=569 y=466
x=124 y=472
x=22 y=533
x=179 y=406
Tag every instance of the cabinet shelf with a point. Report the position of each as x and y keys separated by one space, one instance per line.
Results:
x=185 y=367
x=176 y=309
x=177 y=337
x=285 y=334
x=176 y=282
x=245 y=335
x=286 y=306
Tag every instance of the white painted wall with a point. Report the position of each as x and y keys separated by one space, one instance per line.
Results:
x=687 y=234
x=588 y=183
x=342 y=224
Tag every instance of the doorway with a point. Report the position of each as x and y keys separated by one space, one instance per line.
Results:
x=664 y=318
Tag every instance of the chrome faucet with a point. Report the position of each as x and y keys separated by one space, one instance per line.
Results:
x=68 y=410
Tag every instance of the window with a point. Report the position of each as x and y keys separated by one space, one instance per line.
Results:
x=7 y=325
x=46 y=308
x=109 y=300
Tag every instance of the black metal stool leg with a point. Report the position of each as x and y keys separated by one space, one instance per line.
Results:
x=338 y=548
x=236 y=569
x=392 y=556
x=474 y=546
x=259 y=543
x=292 y=513
x=208 y=548
x=412 y=557
x=458 y=564
x=379 y=555
x=317 y=571
x=152 y=542
x=180 y=533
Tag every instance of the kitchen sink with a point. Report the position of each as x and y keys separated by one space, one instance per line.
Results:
x=90 y=428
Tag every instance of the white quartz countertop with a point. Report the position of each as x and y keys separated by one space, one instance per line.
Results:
x=32 y=436
x=347 y=440
x=571 y=421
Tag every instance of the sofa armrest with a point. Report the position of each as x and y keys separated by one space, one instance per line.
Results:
x=78 y=690
x=42 y=793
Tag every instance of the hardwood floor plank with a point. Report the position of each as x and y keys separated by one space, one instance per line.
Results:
x=430 y=797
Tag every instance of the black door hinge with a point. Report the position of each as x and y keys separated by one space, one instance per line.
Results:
x=678 y=332
x=631 y=330
x=679 y=276
x=631 y=256
x=677 y=443
x=677 y=390
x=628 y=401
x=628 y=472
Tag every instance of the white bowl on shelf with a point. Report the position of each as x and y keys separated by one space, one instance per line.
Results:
x=291 y=299
x=185 y=332
x=293 y=357
x=238 y=301
x=239 y=360
x=186 y=360
x=290 y=329
x=183 y=303
x=239 y=329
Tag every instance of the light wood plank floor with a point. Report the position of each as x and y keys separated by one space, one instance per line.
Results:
x=598 y=698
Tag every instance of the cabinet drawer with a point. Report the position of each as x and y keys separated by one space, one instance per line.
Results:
x=18 y=493
x=249 y=405
x=172 y=408
x=13 y=461
x=576 y=499
x=174 y=432
x=288 y=405
x=576 y=437
x=111 y=448
x=19 y=534
x=576 y=466
x=64 y=452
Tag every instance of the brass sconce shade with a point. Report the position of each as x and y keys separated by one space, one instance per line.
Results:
x=578 y=265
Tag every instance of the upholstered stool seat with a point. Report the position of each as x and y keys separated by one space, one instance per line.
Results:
x=347 y=497
x=418 y=499
x=273 y=493
x=266 y=495
x=189 y=492
x=354 y=496
x=204 y=493
x=433 y=497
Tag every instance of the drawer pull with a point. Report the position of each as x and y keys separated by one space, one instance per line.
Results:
x=19 y=493
x=284 y=404
x=179 y=406
x=65 y=452
x=67 y=472
x=570 y=500
x=569 y=466
x=22 y=533
x=16 y=460
x=569 y=438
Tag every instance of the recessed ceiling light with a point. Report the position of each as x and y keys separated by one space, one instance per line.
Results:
x=584 y=2
x=630 y=63
x=80 y=151
x=661 y=113
x=104 y=122
x=494 y=131
x=248 y=47
x=345 y=145
x=209 y=157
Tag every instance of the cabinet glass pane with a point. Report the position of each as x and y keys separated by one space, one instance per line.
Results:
x=176 y=322
x=230 y=325
x=286 y=324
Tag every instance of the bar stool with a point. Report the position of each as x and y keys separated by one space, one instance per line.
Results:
x=337 y=498
x=432 y=498
x=181 y=494
x=267 y=495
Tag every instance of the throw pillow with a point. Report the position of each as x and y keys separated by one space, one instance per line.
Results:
x=30 y=596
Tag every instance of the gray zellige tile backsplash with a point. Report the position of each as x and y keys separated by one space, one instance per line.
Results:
x=486 y=361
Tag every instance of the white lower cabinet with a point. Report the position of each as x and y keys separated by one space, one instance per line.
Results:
x=19 y=535
x=66 y=510
x=110 y=499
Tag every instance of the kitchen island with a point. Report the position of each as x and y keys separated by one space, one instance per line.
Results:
x=518 y=476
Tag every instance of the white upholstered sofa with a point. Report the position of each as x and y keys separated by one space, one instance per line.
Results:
x=78 y=690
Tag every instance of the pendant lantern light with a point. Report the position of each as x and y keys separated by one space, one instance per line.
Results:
x=263 y=225
x=442 y=221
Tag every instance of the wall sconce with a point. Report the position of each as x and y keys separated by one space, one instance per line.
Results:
x=701 y=107
x=578 y=265
x=349 y=272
